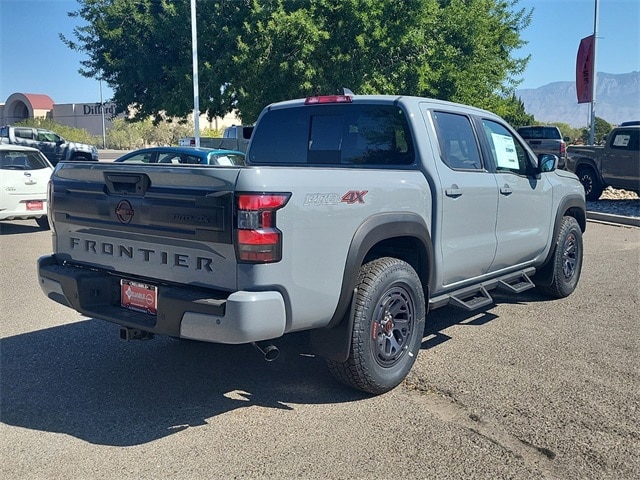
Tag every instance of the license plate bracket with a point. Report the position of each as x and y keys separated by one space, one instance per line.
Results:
x=138 y=296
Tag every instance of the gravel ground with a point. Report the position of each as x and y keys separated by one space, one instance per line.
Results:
x=616 y=202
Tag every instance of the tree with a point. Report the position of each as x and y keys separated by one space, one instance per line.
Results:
x=512 y=110
x=601 y=131
x=253 y=52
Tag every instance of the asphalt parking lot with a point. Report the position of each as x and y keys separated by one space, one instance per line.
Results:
x=527 y=389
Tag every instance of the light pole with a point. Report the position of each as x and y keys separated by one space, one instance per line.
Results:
x=595 y=76
x=196 y=94
x=104 y=133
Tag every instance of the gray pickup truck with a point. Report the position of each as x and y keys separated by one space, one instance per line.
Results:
x=354 y=217
x=545 y=139
x=615 y=164
x=52 y=145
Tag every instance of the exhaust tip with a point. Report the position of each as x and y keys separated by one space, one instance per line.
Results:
x=268 y=350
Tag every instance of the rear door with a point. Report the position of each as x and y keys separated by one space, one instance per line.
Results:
x=468 y=201
x=621 y=165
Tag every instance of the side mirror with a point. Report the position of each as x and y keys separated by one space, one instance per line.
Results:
x=547 y=162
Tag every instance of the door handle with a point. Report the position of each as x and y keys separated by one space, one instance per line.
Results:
x=453 y=192
x=506 y=190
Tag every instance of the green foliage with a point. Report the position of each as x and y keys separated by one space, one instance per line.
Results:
x=602 y=129
x=127 y=135
x=252 y=52
x=70 y=134
x=512 y=110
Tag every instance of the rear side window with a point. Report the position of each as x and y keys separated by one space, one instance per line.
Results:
x=22 y=161
x=23 y=133
x=458 y=145
x=350 y=134
x=626 y=140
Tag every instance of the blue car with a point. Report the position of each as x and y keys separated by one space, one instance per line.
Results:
x=185 y=155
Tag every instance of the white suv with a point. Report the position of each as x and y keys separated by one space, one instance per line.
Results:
x=24 y=175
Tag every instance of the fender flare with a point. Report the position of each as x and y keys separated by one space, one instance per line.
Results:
x=333 y=341
x=571 y=203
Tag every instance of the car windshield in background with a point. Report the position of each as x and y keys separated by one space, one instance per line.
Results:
x=184 y=156
x=334 y=135
x=22 y=161
x=544 y=133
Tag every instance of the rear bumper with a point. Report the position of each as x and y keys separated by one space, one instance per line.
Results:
x=197 y=314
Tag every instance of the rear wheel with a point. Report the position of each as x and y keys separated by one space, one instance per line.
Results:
x=592 y=186
x=389 y=317
x=566 y=263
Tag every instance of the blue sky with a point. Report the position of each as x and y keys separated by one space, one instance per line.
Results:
x=34 y=60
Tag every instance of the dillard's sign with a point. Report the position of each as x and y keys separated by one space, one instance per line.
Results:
x=109 y=108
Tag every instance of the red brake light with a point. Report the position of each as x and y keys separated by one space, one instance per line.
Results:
x=327 y=99
x=257 y=238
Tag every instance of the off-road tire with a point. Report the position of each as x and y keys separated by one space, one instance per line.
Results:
x=592 y=185
x=566 y=263
x=388 y=326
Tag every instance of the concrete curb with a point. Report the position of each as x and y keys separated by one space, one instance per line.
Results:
x=617 y=219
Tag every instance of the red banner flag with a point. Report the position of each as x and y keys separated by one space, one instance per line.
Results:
x=584 y=70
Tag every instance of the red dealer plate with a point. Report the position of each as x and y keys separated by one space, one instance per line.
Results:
x=34 y=205
x=139 y=296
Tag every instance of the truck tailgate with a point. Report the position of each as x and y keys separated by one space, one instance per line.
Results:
x=167 y=223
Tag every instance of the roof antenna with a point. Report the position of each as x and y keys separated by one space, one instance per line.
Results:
x=346 y=91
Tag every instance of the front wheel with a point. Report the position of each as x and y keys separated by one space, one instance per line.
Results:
x=566 y=263
x=388 y=325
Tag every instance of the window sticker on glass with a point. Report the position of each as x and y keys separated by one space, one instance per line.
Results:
x=506 y=155
x=621 y=140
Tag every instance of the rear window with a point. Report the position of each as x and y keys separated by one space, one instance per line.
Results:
x=349 y=134
x=22 y=161
x=542 y=133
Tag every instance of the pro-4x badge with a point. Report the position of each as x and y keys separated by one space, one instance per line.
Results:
x=351 y=197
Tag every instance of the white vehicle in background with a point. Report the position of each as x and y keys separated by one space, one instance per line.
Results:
x=24 y=175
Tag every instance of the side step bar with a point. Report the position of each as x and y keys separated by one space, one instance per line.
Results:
x=477 y=296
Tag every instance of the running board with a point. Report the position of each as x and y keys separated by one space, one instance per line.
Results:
x=516 y=284
x=473 y=299
x=477 y=296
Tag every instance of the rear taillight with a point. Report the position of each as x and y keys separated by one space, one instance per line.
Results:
x=50 y=204
x=257 y=238
x=563 y=148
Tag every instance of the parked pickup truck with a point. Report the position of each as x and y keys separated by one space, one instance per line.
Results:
x=52 y=145
x=235 y=137
x=616 y=164
x=354 y=217
x=545 y=139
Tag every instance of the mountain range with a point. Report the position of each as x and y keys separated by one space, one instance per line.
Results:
x=617 y=100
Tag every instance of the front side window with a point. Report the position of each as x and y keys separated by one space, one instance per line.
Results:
x=47 y=136
x=458 y=146
x=508 y=155
x=352 y=134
